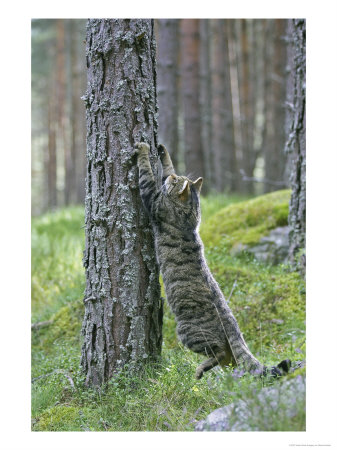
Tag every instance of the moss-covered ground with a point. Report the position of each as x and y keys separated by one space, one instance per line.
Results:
x=269 y=303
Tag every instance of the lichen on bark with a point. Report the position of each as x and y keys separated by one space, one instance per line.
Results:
x=296 y=144
x=123 y=310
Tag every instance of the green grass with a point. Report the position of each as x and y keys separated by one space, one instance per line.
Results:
x=269 y=303
x=57 y=250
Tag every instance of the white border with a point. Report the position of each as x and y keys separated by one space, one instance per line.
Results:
x=321 y=236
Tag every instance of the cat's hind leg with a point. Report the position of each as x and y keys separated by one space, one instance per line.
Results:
x=218 y=359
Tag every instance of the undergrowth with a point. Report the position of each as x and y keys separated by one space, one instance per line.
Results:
x=267 y=301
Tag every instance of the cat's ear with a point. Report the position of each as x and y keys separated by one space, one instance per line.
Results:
x=197 y=184
x=184 y=192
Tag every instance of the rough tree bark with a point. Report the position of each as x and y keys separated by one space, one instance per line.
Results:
x=190 y=48
x=123 y=309
x=295 y=144
x=168 y=51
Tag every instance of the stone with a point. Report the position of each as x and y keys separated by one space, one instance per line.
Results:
x=271 y=249
x=257 y=414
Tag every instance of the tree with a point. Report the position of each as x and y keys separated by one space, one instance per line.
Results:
x=168 y=51
x=58 y=113
x=295 y=145
x=223 y=144
x=74 y=164
x=50 y=161
x=79 y=81
x=190 y=48
x=71 y=150
x=123 y=309
x=206 y=102
x=274 y=99
x=44 y=116
x=247 y=102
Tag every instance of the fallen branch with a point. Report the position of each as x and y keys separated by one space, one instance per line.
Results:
x=38 y=325
x=60 y=371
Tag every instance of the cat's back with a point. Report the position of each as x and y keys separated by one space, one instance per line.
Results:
x=183 y=267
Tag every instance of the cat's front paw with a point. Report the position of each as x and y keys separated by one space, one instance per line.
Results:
x=141 y=147
x=162 y=151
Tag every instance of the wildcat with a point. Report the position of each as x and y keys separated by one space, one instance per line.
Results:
x=205 y=323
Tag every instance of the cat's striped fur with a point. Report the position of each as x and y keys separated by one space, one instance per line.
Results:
x=205 y=323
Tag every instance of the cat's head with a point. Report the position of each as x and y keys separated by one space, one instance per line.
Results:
x=182 y=189
x=184 y=195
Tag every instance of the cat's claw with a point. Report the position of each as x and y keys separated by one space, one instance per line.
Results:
x=141 y=147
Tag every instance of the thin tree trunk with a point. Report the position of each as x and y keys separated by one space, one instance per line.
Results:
x=72 y=75
x=273 y=145
x=206 y=103
x=168 y=50
x=247 y=106
x=80 y=89
x=123 y=310
x=223 y=146
x=233 y=47
x=51 y=160
x=231 y=166
x=190 y=48
x=61 y=102
x=295 y=144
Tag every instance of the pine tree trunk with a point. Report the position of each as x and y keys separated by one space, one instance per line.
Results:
x=123 y=310
x=247 y=105
x=80 y=87
x=61 y=102
x=273 y=146
x=190 y=48
x=72 y=75
x=234 y=56
x=168 y=45
x=206 y=104
x=295 y=144
x=51 y=171
x=223 y=146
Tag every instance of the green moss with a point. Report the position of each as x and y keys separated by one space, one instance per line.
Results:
x=60 y=418
x=67 y=321
x=66 y=325
x=211 y=204
x=246 y=222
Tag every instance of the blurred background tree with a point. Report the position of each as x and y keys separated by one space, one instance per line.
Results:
x=222 y=105
x=58 y=113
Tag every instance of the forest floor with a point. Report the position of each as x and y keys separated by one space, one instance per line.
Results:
x=268 y=302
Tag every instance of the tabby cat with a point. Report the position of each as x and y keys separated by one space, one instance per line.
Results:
x=205 y=323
